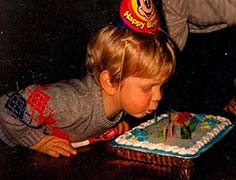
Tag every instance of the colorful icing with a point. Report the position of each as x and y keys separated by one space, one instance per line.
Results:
x=149 y=136
x=138 y=134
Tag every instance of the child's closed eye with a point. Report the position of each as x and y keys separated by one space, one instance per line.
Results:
x=147 y=88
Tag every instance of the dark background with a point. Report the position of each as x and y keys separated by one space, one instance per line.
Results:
x=45 y=41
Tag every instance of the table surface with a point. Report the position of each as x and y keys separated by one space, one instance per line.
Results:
x=96 y=162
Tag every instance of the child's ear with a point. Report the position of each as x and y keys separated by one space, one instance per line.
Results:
x=106 y=84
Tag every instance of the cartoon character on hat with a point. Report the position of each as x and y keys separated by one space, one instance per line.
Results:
x=146 y=8
x=138 y=15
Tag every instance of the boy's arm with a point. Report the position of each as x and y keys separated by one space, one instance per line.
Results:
x=19 y=129
x=34 y=138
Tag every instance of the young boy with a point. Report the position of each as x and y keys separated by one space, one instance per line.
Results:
x=126 y=71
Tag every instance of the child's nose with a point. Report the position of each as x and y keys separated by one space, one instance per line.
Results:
x=157 y=95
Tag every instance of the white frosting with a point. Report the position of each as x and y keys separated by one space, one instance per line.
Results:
x=123 y=140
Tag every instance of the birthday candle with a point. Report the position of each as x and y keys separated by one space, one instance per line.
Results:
x=164 y=133
x=171 y=130
x=159 y=132
x=155 y=117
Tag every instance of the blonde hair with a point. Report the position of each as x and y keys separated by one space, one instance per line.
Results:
x=125 y=53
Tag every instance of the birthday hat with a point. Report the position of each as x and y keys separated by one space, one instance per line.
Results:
x=138 y=15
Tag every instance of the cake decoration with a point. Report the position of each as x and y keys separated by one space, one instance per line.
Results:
x=178 y=134
x=138 y=134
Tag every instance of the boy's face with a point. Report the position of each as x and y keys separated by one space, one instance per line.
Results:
x=140 y=96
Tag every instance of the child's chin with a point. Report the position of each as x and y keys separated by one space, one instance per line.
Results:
x=139 y=115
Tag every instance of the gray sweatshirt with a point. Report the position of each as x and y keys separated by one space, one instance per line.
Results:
x=72 y=109
x=197 y=16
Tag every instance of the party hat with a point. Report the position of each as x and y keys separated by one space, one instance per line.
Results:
x=138 y=15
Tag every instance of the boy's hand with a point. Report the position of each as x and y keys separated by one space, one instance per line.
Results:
x=122 y=127
x=54 y=146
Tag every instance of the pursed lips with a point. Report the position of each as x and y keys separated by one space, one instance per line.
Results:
x=151 y=111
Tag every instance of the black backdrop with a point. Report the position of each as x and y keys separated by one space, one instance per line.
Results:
x=45 y=41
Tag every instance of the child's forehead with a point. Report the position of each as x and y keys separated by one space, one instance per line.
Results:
x=160 y=76
x=151 y=80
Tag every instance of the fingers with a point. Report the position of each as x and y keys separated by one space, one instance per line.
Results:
x=122 y=127
x=54 y=147
x=61 y=147
x=53 y=153
x=56 y=151
x=126 y=126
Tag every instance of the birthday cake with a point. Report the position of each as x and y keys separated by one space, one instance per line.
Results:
x=176 y=134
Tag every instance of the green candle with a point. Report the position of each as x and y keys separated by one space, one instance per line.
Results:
x=155 y=117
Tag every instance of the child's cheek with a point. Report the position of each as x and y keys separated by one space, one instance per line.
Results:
x=141 y=102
